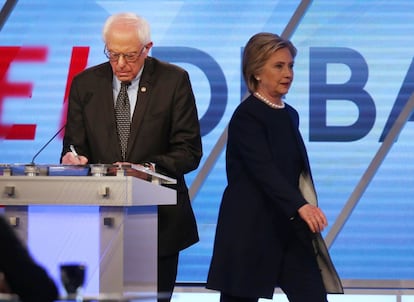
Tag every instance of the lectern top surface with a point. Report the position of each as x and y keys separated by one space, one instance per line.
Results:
x=84 y=170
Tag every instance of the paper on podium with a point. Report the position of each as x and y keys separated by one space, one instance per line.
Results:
x=155 y=177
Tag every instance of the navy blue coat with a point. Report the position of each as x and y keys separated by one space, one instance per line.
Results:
x=259 y=204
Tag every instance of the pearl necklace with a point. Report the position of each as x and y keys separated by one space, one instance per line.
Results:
x=269 y=103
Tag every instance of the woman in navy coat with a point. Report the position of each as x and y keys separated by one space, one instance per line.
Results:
x=268 y=230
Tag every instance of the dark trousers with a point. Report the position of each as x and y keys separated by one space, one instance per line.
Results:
x=167 y=273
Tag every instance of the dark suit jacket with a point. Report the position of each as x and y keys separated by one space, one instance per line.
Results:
x=258 y=213
x=25 y=278
x=164 y=130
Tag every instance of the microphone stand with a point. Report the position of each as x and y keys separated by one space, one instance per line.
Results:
x=45 y=145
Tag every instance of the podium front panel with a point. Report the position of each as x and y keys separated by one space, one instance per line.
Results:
x=109 y=223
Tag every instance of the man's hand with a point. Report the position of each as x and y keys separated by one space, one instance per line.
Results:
x=314 y=217
x=70 y=159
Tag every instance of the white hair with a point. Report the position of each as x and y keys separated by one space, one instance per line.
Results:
x=141 y=25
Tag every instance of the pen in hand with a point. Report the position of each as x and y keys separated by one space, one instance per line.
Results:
x=73 y=158
x=73 y=150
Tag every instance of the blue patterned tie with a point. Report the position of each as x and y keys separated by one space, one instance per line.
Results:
x=123 y=117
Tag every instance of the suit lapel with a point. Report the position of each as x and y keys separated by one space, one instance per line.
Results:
x=143 y=100
x=105 y=94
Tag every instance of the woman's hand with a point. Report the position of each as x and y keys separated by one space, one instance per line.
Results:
x=314 y=217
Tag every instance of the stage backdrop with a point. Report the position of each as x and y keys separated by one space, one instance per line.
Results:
x=354 y=74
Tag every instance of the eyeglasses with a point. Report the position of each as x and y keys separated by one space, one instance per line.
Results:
x=130 y=57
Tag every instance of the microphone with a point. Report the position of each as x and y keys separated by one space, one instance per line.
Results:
x=47 y=143
x=86 y=100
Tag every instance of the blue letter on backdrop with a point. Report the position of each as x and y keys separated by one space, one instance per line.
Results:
x=320 y=92
x=407 y=88
x=214 y=74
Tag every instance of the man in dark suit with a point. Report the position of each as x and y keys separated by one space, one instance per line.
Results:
x=164 y=130
x=22 y=276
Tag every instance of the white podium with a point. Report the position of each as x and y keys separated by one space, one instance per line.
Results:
x=126 y=217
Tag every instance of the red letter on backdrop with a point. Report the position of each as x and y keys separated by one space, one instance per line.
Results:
x=15 y=89
x=78 y=63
